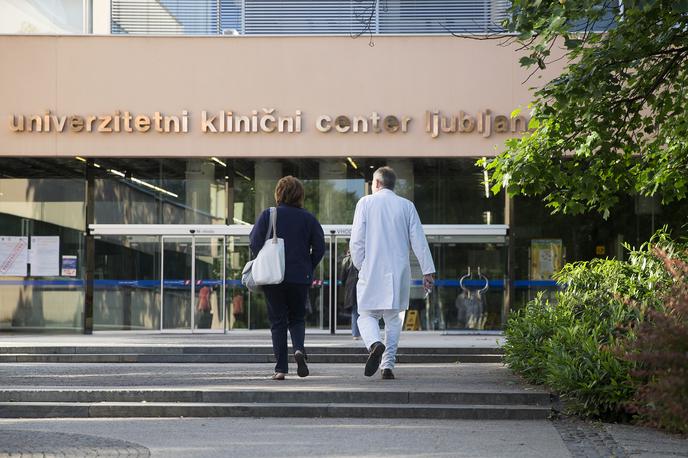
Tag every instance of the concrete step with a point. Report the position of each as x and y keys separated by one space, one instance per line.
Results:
x=315 y=410
x=275 y=396
x=353 y=349
x=245 y=358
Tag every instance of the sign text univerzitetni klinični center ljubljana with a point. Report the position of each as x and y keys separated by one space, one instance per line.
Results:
x=268 y=120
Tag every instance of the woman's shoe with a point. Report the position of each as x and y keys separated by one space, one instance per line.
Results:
x=278 y=376
x=301 y=366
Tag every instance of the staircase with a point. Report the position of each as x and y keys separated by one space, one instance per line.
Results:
x=188 y=379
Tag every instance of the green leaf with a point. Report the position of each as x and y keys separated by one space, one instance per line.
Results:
x=526 y=61
x=572 y=43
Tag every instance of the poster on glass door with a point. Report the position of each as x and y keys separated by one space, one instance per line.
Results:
x=44 y=256
x=545 y=258
x=69 y=266
x=14 y=256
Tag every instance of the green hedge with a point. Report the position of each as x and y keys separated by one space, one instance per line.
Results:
x=571 y=344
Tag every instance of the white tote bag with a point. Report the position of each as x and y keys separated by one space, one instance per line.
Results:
x=268 y=267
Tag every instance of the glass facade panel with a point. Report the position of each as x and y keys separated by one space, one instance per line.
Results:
x=582 y=237
x=48 y=213
x=64 y=17
x=306 y=17
x=446 y=191
x=160 y=191
x=127 y=283
x=135 y=274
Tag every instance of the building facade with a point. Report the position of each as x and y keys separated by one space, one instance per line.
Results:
x=140 y=139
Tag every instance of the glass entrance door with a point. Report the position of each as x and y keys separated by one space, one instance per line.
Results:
x=345 y=312
x=209 y=285
x=469 y=291
x=175 y=284
x=193 y=283
x=200 y=279
x=469 y=287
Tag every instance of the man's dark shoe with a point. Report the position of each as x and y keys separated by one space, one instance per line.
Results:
x=301 y=367
x=374 y=358
x=387 y=374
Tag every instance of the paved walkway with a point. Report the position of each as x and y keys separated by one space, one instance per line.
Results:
x=299 y=437
x=332 y=437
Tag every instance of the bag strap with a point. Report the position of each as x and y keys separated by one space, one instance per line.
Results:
x=272 y=225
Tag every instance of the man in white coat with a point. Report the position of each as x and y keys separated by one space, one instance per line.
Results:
x=385 y=227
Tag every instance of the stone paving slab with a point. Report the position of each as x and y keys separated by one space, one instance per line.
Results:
x=643 y=442
x=589 y=439
x=27 y=443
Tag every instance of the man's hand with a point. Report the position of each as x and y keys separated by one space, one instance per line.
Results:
x=428 y=281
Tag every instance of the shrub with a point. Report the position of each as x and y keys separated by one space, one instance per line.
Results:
x=526 y=334
x=590 y=378
x=660 y=351
x=570 y=344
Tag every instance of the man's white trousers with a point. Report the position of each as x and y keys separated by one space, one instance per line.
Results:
x=369 y=327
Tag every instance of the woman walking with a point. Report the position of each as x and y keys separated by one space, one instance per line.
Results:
x=304 y=246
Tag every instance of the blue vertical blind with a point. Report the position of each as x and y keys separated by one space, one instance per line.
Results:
x=306 y=17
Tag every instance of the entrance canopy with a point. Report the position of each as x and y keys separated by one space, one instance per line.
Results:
x=464 y=230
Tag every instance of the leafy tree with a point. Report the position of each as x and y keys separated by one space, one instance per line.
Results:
x=614 y=122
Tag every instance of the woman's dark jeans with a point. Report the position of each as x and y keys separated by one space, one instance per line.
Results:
x=286 y=310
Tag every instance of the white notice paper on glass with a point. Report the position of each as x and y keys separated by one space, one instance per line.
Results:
x=44 y=256
x=14 y=255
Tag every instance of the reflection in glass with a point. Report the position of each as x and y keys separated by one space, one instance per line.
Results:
x=127 y=283
x=176 y=300
x=209 y=290
x=469 y=291
x=42 y=207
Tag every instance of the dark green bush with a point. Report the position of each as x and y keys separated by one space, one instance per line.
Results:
x=526 y=335
x=592 y=380
x=570 y=344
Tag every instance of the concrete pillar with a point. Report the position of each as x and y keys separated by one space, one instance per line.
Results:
x=267 y=173
x=200 y=175
x=405 y=177
x=332 y=192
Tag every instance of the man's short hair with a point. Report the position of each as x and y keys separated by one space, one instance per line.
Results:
x=387 y=176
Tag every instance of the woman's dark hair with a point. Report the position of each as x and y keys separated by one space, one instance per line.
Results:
x=289 y=191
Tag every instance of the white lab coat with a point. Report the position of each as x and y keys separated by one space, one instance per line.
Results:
x=385 y=228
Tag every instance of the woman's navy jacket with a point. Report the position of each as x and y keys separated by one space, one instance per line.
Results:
x=304 y=242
